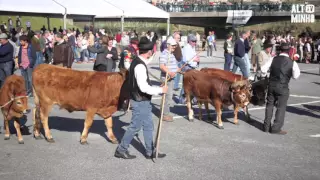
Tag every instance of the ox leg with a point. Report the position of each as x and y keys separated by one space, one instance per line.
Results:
x=36 y=123
x=7 y=132
x=17 y=126
x=87 y=124
x=44 y=113
x=200 y=109
x=218 y=107
x=236 y=110
x=208 y=111
x=190 y=111
x=109 y=125
x=246 y=112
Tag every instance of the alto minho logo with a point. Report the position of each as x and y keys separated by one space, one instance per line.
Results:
x=302 y=13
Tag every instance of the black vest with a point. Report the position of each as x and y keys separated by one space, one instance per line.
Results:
x=281 y=71
x=135 y=92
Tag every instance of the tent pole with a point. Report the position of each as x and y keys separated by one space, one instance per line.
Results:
x=168 y=26
x=48 y=21
x=122 y=23
x=65 y=19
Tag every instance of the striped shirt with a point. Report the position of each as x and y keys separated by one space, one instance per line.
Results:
x=172 y=65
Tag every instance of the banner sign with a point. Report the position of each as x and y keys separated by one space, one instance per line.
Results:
x=239 y=16
x=302 y=13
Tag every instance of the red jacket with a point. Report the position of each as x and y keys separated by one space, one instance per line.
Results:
x=118 y=38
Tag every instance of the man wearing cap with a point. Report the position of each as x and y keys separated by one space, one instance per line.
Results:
x=6 y=58
x=189 y=57
x=141 y=93
x=170 y=67
x=264 y=56
x=282 y=69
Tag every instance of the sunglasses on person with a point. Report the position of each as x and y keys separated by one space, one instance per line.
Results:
x=194 y=41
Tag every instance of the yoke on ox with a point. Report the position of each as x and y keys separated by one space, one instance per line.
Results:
x=93 y=92
x=215 y=90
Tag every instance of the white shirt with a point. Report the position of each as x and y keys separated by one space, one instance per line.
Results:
x=188 y=52
x=141 y=77
x=295 y=68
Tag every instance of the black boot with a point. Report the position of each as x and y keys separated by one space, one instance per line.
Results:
x=124 y=155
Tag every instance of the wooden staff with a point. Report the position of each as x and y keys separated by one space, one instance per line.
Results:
x=161 y=115
x=184 y=65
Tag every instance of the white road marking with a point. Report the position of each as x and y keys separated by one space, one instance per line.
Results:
x=310 y=69
x=303 y=96
x=316 y=135
x=292 y=95
x=251 y=109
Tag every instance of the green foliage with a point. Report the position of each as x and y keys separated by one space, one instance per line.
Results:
x=38 y=22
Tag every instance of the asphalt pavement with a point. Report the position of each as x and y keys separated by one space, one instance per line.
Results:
x=195 y=150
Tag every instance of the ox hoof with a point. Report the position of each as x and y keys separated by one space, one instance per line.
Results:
x=84 y=142
x=115 y=142
x=6 y=137
x=51 y=140
x=21 y=142
x=37 y=137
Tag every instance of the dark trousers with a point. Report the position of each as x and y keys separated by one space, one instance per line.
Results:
x=228 y=61
x=27 y=75
x=6 y=69
x=277 y=96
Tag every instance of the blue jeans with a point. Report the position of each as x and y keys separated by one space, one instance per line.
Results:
x=177 y=78
x=39 y=59
x=241 y=63
x=248 y=63
x=27 y=75
x=6 y=69
x=141 y=118
x=228 y=61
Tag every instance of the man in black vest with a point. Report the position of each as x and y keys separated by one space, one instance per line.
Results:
x=282 y=69
x=141 y=92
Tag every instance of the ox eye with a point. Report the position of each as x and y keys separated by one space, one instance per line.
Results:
x=19 y=103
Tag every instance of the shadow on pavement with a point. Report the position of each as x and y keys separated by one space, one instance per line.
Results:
x=316 y=83
x=304 y=112
x=98 y=127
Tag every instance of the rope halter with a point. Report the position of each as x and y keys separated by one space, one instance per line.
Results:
x=18 y=96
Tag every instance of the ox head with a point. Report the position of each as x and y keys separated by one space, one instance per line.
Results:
x=20 y=104
x=241 y=93
x=259 y=92
x=15 y=90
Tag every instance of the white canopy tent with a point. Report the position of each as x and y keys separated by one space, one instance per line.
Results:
x=31 y=6
x=139 y=9
x=96 y=8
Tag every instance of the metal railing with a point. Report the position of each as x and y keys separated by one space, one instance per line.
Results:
x=266 y=7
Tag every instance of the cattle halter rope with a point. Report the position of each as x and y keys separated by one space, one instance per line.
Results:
x=11 y=100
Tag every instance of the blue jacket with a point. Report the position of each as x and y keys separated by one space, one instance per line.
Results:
x=6 y=52
x=239 y=48
x=31 y=55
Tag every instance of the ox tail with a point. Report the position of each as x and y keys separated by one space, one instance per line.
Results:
x=36 y=111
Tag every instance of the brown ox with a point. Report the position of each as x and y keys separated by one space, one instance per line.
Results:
x=215 y=90
x=13 y=103
x=229 y=76
x=93 y=92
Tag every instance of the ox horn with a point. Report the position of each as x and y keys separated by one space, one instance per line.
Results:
x=239 y=83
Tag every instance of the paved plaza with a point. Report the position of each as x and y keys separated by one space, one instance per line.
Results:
x=195 y=150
